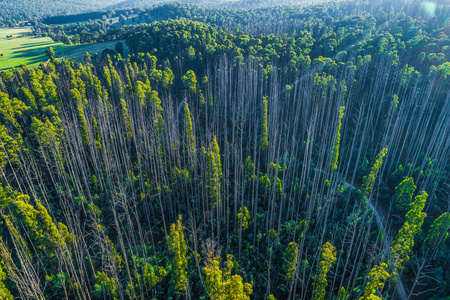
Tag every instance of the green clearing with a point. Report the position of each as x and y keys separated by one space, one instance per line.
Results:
x=25 y=50
x=77 y=52
x=31 y=50
x=15 y=32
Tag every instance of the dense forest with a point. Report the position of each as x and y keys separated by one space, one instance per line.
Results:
x=14 y=11
x=289 y=152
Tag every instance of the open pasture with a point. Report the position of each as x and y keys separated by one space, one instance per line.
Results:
x=25 y=49
x=30 y=50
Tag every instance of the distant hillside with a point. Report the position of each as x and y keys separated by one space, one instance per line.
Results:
x=13 y=11
x=18 y=10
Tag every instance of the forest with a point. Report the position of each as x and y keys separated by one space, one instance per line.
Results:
x=285 y=152
x=15 y=11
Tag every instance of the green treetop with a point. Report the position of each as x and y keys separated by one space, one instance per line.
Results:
x=4 y=292
x=126 y=117
x=46 y=133
x=439 y=231
x=264 y=126
x=404 y=240
x=220 y=285
x=290 y=259
x=188 y=136
x=167 y=77
x=328 y=257
x=9 y=147
x=244 y=217
x=190 y=81
x=50 y=53
x=377 y=276
x=370 y=179
x=403 y=194
x=76 y=97
x=214 y=172
x=178 y=250
x=106 y=286
x=10 y=108
x=337 y=141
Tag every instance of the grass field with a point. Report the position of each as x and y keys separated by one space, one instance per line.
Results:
x=30 y=50
x=23 y=31
x=24 y=49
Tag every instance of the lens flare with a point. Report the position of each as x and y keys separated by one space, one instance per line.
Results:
x=430 y=7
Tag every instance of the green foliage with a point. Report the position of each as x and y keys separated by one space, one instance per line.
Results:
x=182 y=175
x=264 y=126
x=377 y=276
x=191 y=53
x=290 y=260
x=243 y=217
x=328 y=257
x=188 y=136
x=76 y=97
x=44 y=232
x=10 y=108
x=141 y=91
x=409 y=73
x=29 y=98
x=370 y=179
x=438 y=233
x=403 y=194
x=116 y=84
x=190 y=81
x=126 y=117
x=178 y=250
x=4 y=292
x=273 y=234
x=214 y=172
x=151 y=277
x=49 y=225
x=341 y=295
x=9 y=147
x=221 y=285
x=57 y=281
x=323 y=81
x=105 y=287
x=444 y=69
x=46 y=133
x=249 y=166
x=167 y=77
x=156 y=75
x=337 y=141
x=148 y=278
x=404 y=240
x=395 y=100
x=213 y=278
x=98 y=135
x=119 y=48
x=50 y=53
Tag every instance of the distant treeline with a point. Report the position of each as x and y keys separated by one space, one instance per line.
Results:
x=73 y=18
x=56 y=20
